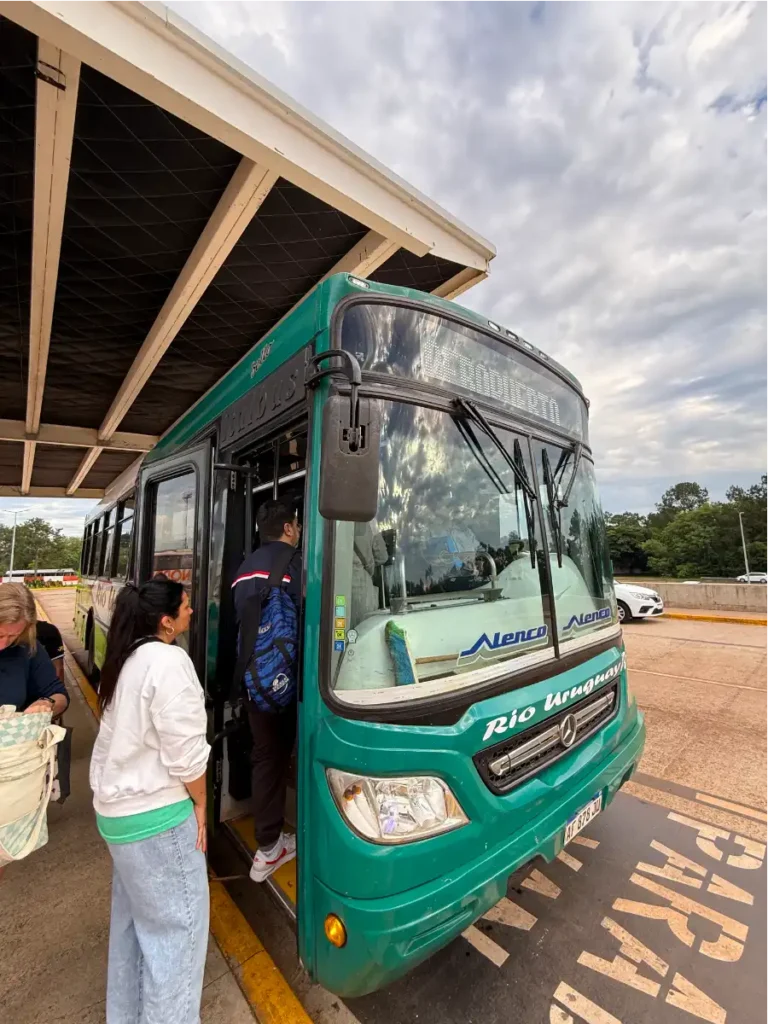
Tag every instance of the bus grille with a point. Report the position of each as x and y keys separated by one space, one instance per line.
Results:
x=511 y=762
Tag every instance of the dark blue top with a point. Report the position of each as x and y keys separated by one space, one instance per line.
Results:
x=255 y=570
x=23 y=680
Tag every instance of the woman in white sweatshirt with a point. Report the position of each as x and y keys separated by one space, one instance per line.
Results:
x=148 y=774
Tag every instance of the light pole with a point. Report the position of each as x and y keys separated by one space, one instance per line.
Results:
x=16 y=512
x=744 y=543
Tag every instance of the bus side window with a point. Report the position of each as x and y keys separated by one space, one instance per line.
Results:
x=124 y=537
x=96 y=539
x=101 y=547
x=109 y=545
x=172 y=531
x=86 y=550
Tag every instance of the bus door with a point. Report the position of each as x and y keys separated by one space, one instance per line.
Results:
x=270 y=466
x=173 y=532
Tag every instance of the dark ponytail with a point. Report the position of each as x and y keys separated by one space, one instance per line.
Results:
x=137 y=613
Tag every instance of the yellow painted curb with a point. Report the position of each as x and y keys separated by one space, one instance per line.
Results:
x=81 y=679
x=716 y=618
x=270 y=997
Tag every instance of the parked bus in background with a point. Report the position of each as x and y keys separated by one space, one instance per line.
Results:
x=30 y=577
x=463 y=701
x=104 y=566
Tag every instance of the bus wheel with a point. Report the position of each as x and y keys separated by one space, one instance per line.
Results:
x=625 y=615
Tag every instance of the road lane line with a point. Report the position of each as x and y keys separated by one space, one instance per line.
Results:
x=696 y=679
x=748 y=812
x=486 y=946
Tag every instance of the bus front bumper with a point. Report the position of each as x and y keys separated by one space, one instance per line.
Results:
x=388 y=937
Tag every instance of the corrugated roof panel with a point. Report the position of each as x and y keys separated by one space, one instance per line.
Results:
x=11 y=461
x=422 y=272
x=290 y=244
x=108 y=465
x=18 y=52
x=142 y=187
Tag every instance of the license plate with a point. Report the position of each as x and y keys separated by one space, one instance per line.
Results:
x=582 y=818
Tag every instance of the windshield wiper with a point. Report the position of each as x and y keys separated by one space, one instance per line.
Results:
x=555 y=501
x=560 y=468
x=515 y=462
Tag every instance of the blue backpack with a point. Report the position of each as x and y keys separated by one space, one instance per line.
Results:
x=269 y=643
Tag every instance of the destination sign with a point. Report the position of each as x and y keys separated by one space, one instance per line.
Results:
x=411 y=343
x=279 y=391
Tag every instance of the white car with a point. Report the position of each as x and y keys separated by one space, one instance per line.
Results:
x=636 y=602
x=753 y=577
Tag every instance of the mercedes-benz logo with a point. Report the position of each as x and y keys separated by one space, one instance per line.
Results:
x=568 y=728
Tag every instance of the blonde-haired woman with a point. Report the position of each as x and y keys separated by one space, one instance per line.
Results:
x=28 y=680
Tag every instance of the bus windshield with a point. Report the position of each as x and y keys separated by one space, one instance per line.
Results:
x=449 y=587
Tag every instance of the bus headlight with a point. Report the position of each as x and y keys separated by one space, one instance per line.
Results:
x=395 y=810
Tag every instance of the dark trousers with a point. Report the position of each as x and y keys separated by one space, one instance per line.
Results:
x=274 y=734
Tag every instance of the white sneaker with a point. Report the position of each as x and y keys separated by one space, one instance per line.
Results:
x=283 y=851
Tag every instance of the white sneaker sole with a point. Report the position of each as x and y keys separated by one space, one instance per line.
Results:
x=261 y=874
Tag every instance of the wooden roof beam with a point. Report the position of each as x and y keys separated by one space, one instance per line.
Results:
x=86 y=465
x=76 y=437
x=58 y=78
x=249 y=187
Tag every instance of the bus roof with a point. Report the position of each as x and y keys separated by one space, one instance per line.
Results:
x=167 y=207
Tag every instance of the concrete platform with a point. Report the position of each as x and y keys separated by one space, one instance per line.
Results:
x=624 y=927
x=54 y=908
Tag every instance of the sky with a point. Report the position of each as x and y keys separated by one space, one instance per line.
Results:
x=614 y=153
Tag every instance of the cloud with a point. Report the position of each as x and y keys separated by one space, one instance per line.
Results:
x=65 y=514
x=615 y=155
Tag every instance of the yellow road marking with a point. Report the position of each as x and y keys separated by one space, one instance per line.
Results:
x=727 y=947
x=537 y=882
x=715 y=816
x=748 y=812
x=509 y=913
x=584 y=1008
x=486 y=946
x=751 y=859
x=685 y=996
x=573 y=863
x=591 y=844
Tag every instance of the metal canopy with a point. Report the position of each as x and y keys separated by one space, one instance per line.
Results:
x=162 y=207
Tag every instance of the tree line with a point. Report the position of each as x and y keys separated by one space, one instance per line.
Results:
x=38 y=545
x=689 y=536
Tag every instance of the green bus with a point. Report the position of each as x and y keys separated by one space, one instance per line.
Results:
x=463 y=705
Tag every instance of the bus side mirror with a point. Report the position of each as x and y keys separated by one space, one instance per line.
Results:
x=349 y=467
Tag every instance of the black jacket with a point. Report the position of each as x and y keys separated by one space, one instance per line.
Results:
x=255 y=570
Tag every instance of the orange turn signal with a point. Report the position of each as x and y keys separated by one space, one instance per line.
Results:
x=335 y=931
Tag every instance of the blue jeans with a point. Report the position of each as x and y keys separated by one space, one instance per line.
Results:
x=158 y=936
